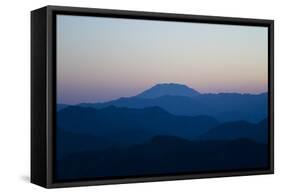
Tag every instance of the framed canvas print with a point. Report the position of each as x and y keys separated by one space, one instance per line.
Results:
x=126 y=96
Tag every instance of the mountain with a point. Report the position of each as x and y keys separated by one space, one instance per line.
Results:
x=168 y=89
x=223 y=106
x=127 y=125
x=164 y=154
x=239 y=130
x=160 y=131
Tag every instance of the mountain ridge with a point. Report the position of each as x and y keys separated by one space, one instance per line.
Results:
x=224 y=107
x=238 y=130
x=187 y=101
x=129 y=124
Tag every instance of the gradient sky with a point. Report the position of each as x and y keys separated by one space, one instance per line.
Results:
x=100 y=59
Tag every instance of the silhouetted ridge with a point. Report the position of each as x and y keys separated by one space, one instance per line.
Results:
x=239 y=130
x=169 y=128
x=223 y=106
x=131 y=125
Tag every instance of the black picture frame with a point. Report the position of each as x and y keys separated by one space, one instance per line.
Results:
x=43 y=90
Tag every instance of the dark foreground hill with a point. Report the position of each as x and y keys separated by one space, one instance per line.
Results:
x=164 y=155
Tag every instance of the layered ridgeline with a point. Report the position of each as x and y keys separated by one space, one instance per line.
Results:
x=132 y=125
x=182 y=100
x=168 y=128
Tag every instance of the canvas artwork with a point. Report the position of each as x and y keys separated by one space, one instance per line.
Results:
x=139 y=98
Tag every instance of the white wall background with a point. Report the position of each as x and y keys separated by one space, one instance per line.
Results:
x=15 y=95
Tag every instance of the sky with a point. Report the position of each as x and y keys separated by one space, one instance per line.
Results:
x=101 y=59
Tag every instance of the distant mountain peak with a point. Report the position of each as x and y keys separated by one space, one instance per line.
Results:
x=163 y=89
x=170 y=84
